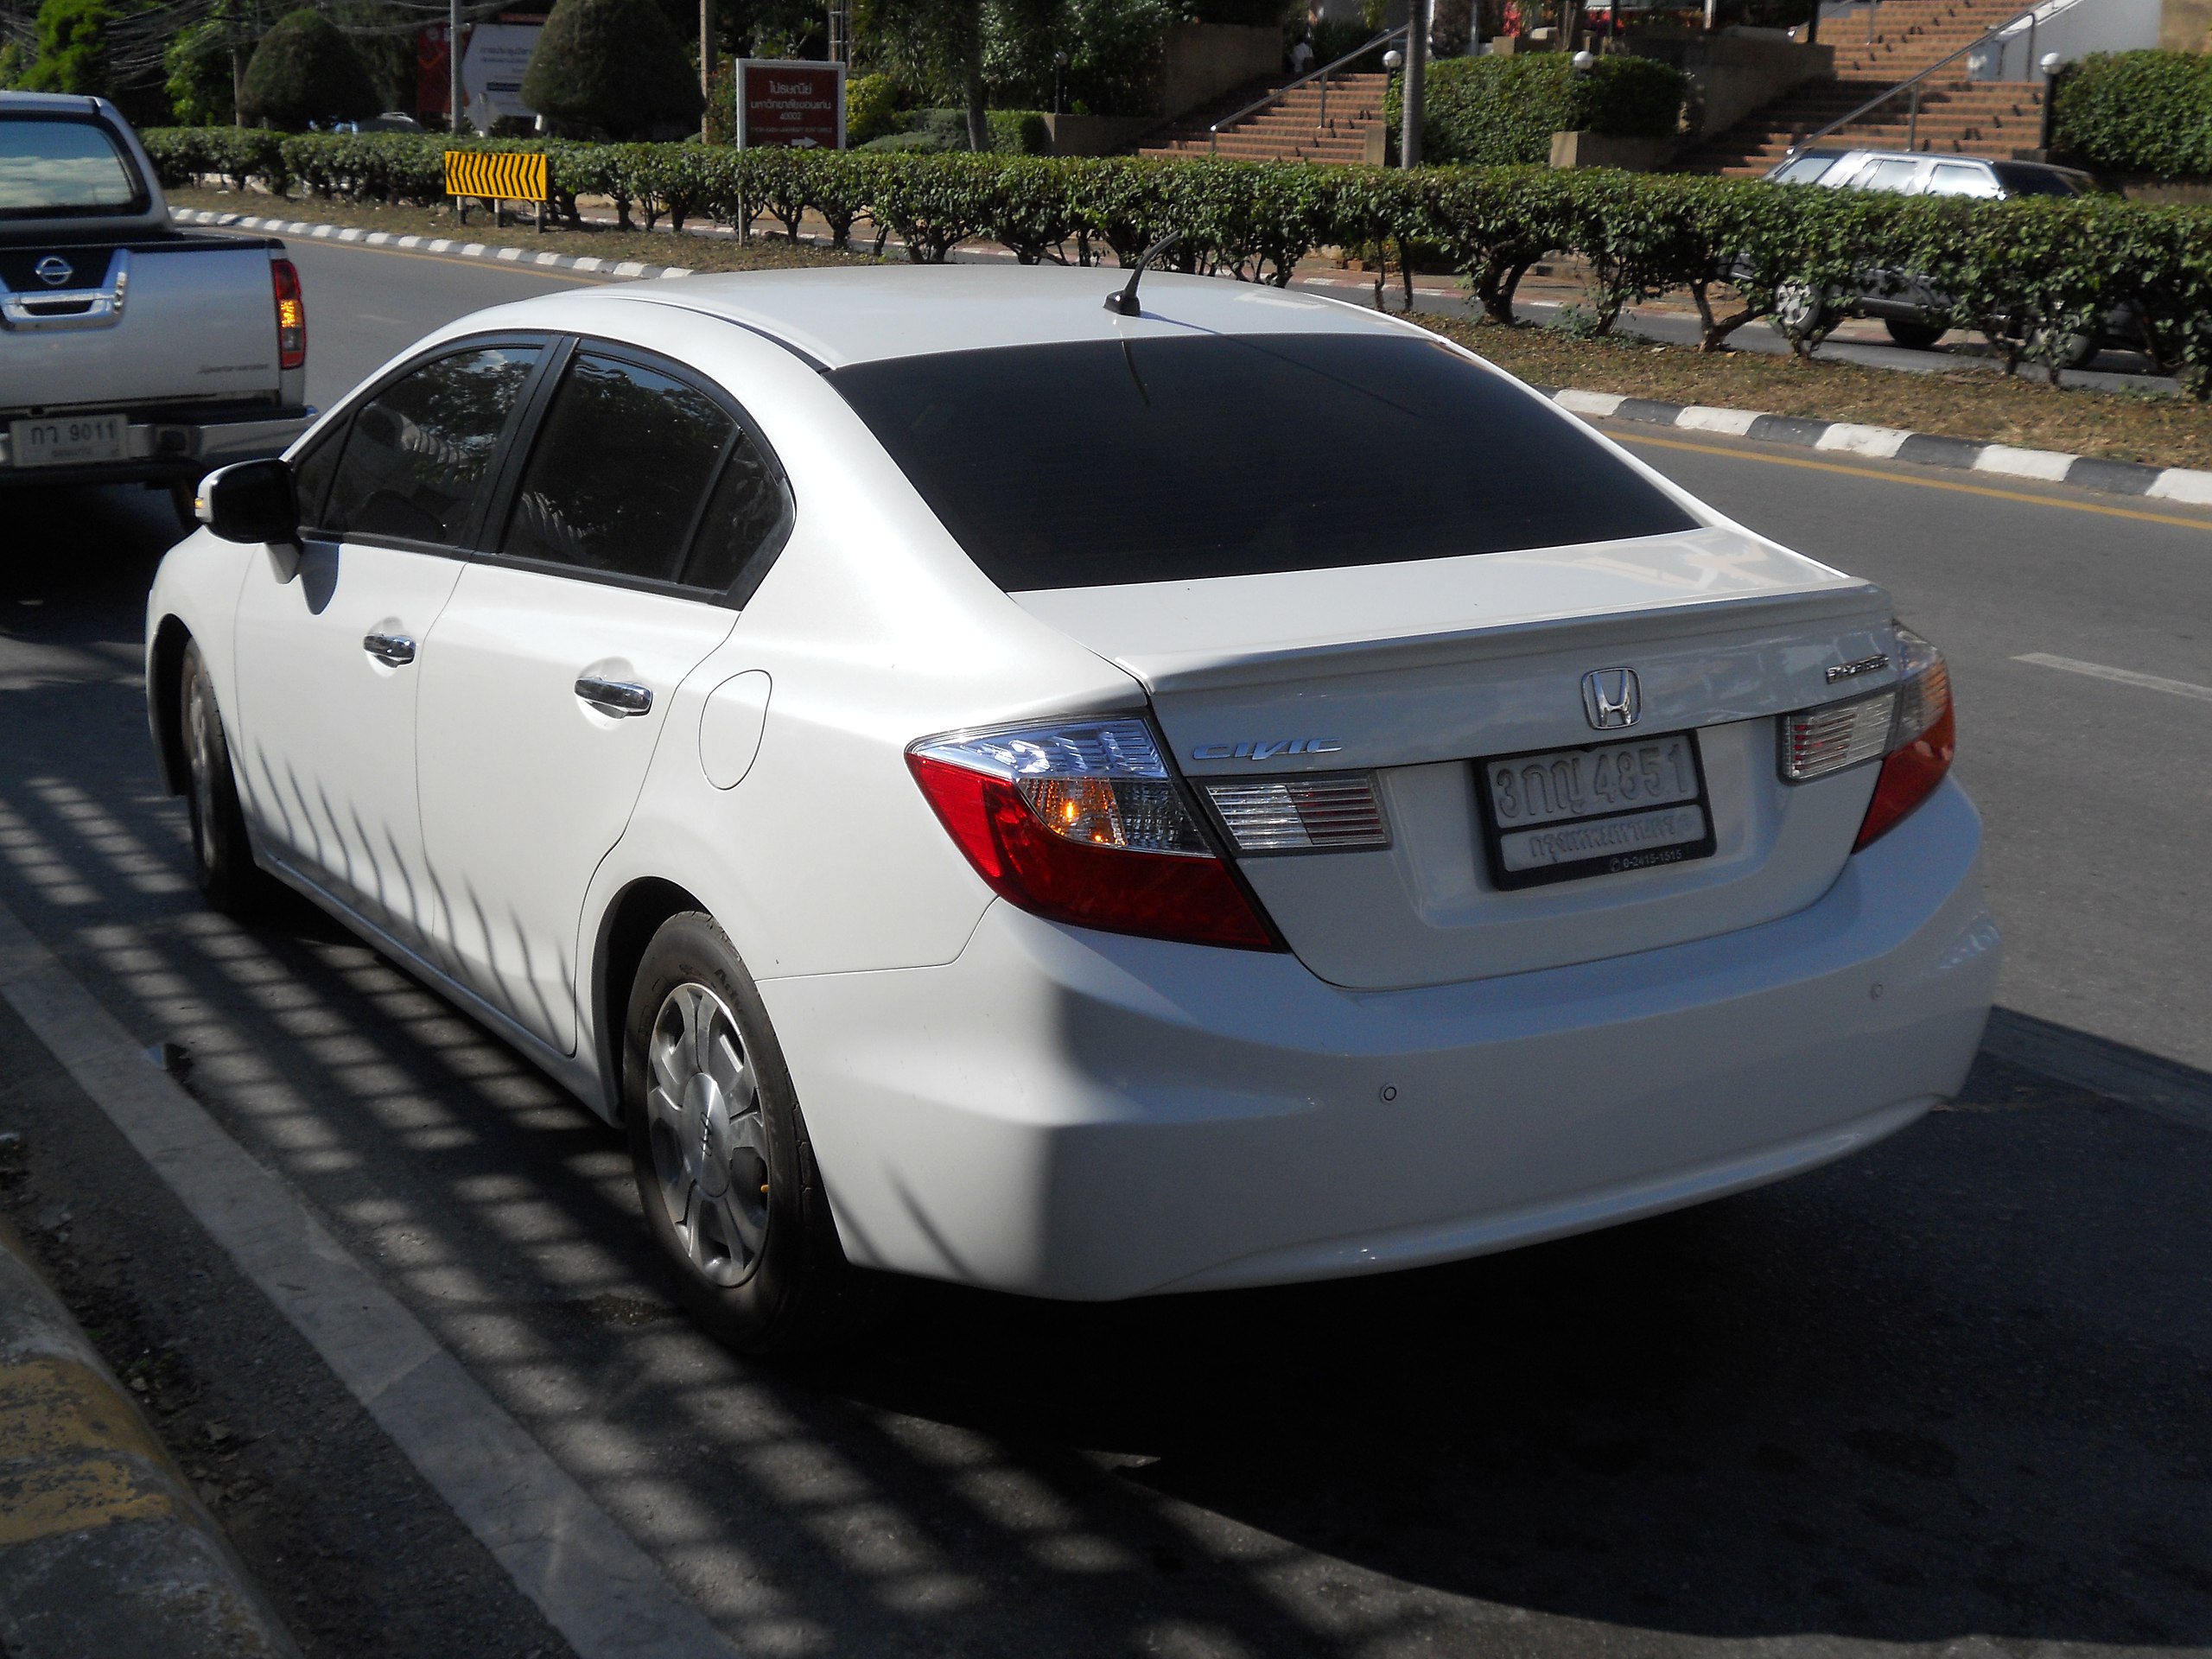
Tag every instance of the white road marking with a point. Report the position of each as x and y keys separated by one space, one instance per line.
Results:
x=2121 y=676
x=1734 y=423
x=1597 y=404
x=2046 y=464
x=602 y=1592
x=1879 y=442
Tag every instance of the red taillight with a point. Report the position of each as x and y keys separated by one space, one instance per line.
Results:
x=1081 y=824
x=1908 y=777
x=291 y=315
x=1922 y=739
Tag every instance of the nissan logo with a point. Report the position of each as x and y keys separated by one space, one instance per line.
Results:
x=54 y=271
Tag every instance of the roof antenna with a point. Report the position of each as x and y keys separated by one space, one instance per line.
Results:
x=1125 y=303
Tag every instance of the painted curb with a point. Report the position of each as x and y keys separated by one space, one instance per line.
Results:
x=103 y=1547
x=2176 y=484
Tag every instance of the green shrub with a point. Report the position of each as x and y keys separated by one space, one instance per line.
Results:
x=1019 y=133
x=2140 y=113
x=305 y=71
x=1500 y=111
x=870 y=111
x=612 y=68
x=2025 y=273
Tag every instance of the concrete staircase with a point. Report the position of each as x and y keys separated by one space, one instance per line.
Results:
x=1290 y=130
x=1957 y=116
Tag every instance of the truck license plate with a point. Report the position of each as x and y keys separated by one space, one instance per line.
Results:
x=67 y=440
x=1564 y=813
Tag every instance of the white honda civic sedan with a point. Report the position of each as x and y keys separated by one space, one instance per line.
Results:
x=1087 y=800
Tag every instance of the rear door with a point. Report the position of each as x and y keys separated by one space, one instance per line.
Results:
x=626 y=541
x=328 y=644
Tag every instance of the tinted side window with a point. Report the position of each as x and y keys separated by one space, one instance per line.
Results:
x=746 y=519
x=1889 y=175
x=422 y=451
x=618 y=471
x=1960 y=179
x=312 y=473
x=1804 y=170
x=2034 y=181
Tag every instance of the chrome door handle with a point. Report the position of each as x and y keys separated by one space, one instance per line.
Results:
x=392 y=650
x=616 y=697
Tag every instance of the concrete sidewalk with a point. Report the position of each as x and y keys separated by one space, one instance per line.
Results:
x=103 y=1549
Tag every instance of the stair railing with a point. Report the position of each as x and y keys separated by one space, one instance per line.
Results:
x=1912 y=83
x=1322 y=75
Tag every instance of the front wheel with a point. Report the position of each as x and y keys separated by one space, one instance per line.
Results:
x=1801 y=311
x=724 y=1169
x=222 y=857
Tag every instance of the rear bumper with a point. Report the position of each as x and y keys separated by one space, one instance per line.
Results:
x=183 y=449
x=1071 y=1114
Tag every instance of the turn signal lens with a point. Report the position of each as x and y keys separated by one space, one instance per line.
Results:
x=1081 y=823
x=291 y=315
x=1921 y=742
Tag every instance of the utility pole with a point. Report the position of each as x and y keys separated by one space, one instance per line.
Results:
x=452 y=65
x=706 y=66
x=1416 y=64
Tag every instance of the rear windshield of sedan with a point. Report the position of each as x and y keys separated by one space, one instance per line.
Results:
x=1102 y=462
x=53 y=166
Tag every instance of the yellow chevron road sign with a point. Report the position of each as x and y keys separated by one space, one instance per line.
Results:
x=496 y=178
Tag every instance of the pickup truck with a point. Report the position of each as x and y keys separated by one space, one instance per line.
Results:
x=130 y=349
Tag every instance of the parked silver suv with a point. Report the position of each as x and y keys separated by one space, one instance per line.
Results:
x=1906 y=306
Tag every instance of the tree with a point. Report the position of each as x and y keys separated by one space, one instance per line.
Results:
x=73 y=48
x=612 y=67
x=937 y=45
x=201 y=85
x=305 y=71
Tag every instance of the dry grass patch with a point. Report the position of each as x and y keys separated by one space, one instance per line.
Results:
x=762 y=252
x=2160 y=428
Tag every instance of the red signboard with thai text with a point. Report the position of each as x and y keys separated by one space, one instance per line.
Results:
x=795 y=104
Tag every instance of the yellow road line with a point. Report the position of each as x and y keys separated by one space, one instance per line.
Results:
x=73 y=1455
x=1918 y=483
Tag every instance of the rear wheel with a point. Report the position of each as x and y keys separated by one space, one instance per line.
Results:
x=1913 y=336
x=222 y=857
x=2069 y=350
x=1802 y=312
x=724 y=1166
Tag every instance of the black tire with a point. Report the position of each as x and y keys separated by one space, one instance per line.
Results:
x=1914 y=336
x=222 y=857
x=764 y=1274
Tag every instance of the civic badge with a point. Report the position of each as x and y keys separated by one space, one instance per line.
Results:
x=54 y=271
x=1612 y=698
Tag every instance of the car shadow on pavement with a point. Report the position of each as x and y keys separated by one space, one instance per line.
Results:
x=1960 y=1385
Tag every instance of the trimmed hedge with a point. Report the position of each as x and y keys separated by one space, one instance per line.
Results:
x=2142 y=112
x=2027 y=273
x=1493 y=111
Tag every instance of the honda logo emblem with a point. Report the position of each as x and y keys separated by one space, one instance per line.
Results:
x=54 y=271
x=1612 y=698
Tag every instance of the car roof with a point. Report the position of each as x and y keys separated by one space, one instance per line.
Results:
x=838 y=318
x=47 y=103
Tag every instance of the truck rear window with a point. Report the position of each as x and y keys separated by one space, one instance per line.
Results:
x=1100 y=463
x=54 y=166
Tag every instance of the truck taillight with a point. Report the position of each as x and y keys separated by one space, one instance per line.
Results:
x=291 y=315
x=1080 y=822
x=1909 y=726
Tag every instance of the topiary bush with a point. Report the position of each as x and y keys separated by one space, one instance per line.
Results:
x=871 y=108
x=305 y=72
x=2139 y=113
x=613 y=69
x=1503 y=111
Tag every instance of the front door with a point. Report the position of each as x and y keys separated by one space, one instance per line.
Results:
x=548 y=678
x=328 y=644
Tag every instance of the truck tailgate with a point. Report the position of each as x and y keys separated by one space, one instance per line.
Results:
x=195 y=321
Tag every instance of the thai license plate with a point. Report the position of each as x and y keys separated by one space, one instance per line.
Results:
x=1564 y=813
x=67 y=440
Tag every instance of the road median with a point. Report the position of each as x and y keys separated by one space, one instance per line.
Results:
x=103 y=1547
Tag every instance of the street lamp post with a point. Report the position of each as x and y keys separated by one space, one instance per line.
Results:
x=452 y=65
x=1059 y=82
x=2049 y=66
x=1416 y=63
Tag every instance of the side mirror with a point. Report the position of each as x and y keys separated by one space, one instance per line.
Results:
x=251 y=501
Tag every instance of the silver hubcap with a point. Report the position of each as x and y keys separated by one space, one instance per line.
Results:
x=710 y=1145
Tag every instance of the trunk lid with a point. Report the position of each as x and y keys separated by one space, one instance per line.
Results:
x=143 y=322
x=1415 y=673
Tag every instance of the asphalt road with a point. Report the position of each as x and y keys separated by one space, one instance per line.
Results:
x=1957 y=1392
